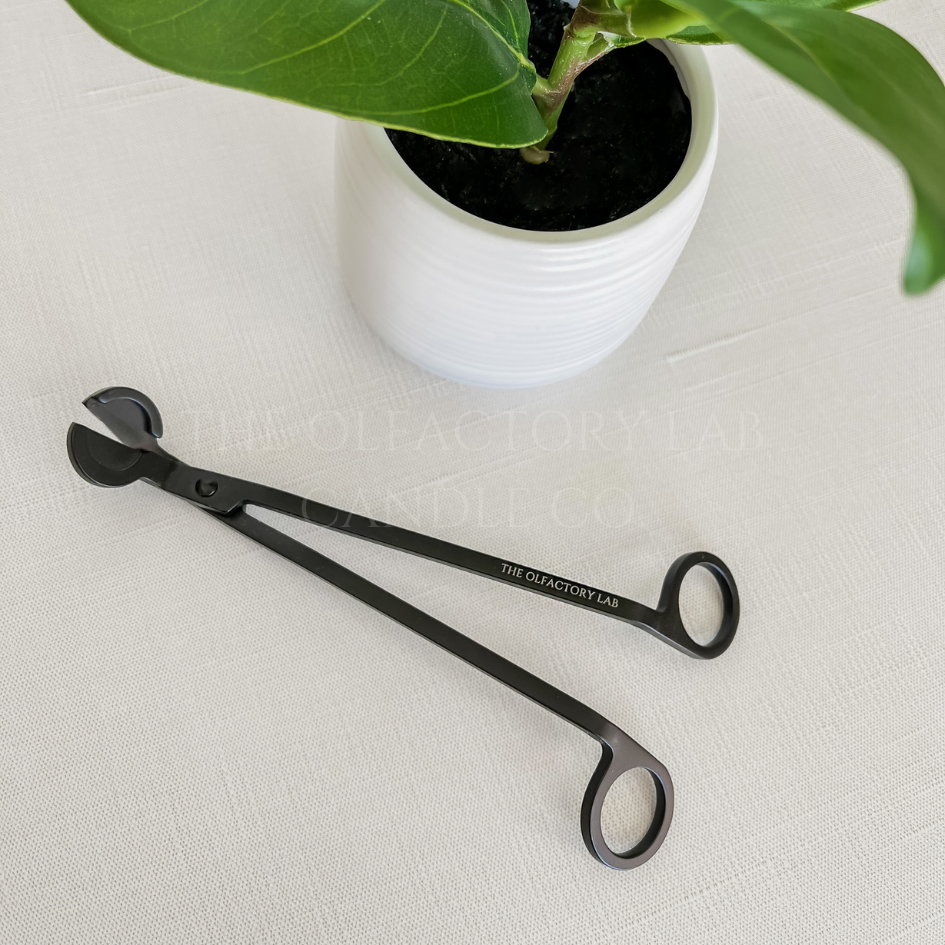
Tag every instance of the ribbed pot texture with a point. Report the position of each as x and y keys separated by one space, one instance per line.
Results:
x=494 y=306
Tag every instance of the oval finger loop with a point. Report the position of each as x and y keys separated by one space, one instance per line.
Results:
x=671 y=622
x=618 y=757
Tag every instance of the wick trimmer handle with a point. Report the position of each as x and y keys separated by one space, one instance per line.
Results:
x=667 y=622
x=620 y=754
x=663 y=621
x=105 y=462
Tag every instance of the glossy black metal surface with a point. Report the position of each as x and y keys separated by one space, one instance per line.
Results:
x=135 y=420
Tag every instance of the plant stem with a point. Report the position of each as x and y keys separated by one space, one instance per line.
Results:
x=581 y=45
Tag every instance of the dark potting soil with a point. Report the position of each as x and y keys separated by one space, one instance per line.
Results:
x=622 y=136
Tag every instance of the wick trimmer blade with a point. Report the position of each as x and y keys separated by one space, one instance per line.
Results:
x=132 y=416
x=101 y=460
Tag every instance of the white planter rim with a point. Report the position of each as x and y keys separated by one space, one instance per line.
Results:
x=693 y=70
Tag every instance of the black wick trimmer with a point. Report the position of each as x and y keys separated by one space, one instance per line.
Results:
x=135 y=420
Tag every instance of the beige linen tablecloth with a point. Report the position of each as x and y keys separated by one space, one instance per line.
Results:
x=201 y=743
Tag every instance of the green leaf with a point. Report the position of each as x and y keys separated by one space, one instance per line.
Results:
x=872 y=77
x=705 y=36
x=453 y=69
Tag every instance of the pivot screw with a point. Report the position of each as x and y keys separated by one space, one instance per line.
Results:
x=205 y=489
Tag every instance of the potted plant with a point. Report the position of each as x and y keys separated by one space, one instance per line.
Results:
x=564 y=241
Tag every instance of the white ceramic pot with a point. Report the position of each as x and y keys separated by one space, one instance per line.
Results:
x=495 y=306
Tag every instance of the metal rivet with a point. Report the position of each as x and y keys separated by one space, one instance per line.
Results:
x=205 y=489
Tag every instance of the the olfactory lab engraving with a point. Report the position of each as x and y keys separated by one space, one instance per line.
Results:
x=559 y=584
